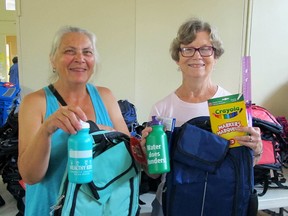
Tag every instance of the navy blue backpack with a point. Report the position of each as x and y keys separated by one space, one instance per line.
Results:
x=207 y=177
x=129 y=114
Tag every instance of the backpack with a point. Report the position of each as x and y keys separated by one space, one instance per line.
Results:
x=268 y=172
x=284 y=153
x=128 y=111
x=207 y=177
x=115 y=186
x=129 y=114
x=8 y=160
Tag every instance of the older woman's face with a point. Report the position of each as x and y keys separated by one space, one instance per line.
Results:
x=197 y=66
x=74 y=60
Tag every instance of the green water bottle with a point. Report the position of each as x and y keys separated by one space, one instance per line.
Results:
x=157 y=149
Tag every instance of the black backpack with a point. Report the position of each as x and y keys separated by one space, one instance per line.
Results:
x=8 y=160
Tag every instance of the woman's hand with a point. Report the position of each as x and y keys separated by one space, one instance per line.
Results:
x=252 y=140
x=145 y=133
x=67 y=118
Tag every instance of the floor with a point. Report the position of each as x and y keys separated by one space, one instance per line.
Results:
x=10 y=209
x=147 y=198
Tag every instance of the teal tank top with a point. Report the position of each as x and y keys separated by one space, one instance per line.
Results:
x=41 y=196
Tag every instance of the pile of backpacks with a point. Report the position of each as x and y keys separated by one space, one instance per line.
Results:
x=8 y=160
x=268 y=172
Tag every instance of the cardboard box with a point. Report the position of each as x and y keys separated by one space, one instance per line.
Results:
x=227 y=114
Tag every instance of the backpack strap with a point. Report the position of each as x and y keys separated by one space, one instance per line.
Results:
x=57 y=95
x=73 y=207
x=93 y=126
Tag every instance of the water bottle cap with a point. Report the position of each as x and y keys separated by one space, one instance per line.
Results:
x=85 y=124
x=155 y=121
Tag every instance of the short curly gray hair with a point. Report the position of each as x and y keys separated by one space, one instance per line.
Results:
x=187 y=34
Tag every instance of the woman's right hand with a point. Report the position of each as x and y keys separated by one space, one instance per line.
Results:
x=67 y=118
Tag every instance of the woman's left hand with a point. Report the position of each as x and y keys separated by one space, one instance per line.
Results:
x=252 y=140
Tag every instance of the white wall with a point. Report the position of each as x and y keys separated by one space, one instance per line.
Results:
x=113 y=22
x=269 y=53
x=157 y=24
x=133 y=41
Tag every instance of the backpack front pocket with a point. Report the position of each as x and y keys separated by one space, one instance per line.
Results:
x=110 y=169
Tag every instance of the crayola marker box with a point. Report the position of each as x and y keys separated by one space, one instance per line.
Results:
x=226 y=114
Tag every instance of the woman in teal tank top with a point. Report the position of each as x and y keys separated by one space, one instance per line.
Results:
x=45 y=124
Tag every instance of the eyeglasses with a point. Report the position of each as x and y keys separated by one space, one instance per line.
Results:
x=204 y=51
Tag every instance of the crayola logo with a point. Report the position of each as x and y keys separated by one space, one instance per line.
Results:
x=227 y=113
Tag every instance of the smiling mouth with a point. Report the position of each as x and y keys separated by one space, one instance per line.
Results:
x=78 y=69
x=196 y=65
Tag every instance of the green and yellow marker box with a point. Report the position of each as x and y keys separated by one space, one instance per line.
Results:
x=227 y=114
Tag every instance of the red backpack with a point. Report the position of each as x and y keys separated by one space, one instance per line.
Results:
x=270 y=130
x=269 y=169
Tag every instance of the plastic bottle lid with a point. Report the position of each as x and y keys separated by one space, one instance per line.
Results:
x=84 y=124
x=155 y=121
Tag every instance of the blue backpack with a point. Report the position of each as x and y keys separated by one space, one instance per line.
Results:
x=114 y=190
x=129 y=114
x=207 y=177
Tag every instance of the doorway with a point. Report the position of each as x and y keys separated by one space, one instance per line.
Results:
x=8 y=39
x=11 y=51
